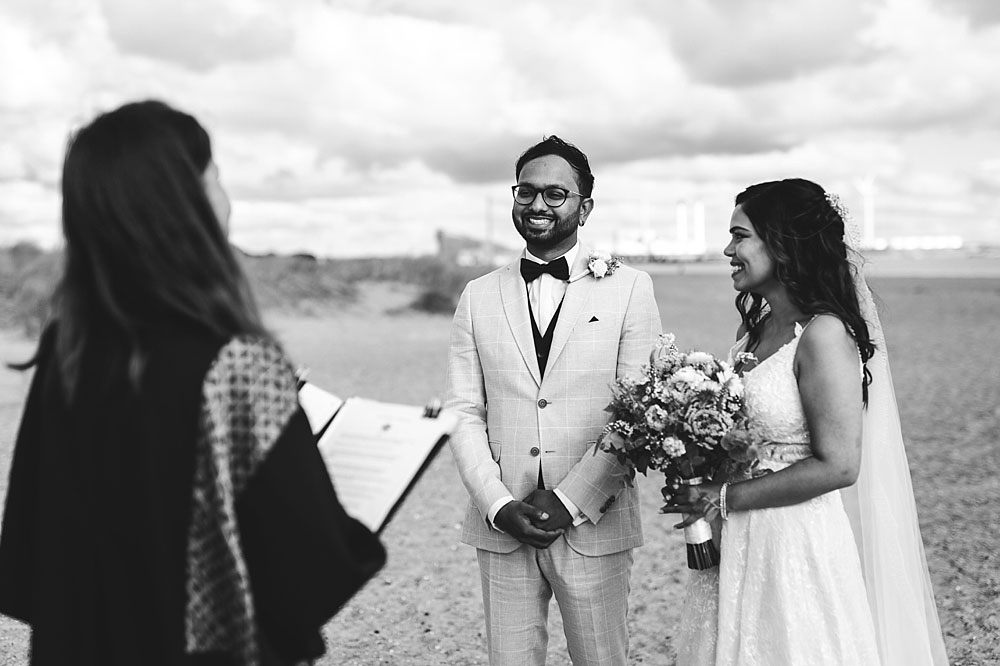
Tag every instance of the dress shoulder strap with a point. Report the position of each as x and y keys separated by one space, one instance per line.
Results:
x=800 y=329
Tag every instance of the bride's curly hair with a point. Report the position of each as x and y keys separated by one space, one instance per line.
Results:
x=804 y=235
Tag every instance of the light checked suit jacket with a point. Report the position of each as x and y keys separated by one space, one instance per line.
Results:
x=511 y=418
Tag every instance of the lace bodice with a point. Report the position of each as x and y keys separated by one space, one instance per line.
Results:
x=771 y=394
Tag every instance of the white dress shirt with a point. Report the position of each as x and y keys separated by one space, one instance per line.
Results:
x=545 y=293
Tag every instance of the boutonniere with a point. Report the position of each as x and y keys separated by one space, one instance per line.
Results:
x=601 y=264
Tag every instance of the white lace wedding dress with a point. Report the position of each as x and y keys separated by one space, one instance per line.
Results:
x=789 y=590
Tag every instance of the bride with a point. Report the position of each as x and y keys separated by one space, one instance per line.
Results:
x=822 y=561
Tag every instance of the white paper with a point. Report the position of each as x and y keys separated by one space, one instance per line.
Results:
x=318 y=405
x=373 y=450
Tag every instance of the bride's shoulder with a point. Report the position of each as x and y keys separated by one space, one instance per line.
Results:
x=827 y=335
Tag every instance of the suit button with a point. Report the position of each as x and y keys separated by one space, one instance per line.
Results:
x=542 y=403
x=534 y=451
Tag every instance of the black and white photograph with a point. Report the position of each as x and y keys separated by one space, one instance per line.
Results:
x=443 y=333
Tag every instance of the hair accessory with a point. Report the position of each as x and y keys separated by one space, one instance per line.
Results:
x=852 y=234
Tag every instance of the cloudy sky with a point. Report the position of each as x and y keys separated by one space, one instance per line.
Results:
x=346 y=127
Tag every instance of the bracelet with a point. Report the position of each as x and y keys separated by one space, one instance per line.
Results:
x=723 y=509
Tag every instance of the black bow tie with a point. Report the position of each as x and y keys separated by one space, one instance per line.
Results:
x=531 y=270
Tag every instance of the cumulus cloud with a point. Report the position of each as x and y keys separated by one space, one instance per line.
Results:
x=410 y=115
x=198 y=34
x=466 y=99
x=981 y=13
x=441 y=11
x=748 y=43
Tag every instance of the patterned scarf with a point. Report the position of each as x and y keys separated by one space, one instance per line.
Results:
x=249 y=394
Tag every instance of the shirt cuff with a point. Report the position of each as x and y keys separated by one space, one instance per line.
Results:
x=574 y=510
x=495 y=509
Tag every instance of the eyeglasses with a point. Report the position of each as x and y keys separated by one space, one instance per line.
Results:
x=552 y=196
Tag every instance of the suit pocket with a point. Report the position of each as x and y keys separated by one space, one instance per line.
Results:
x=606 y=327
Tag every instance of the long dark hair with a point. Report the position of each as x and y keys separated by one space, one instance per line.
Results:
x=804 y=235
x=143 y=244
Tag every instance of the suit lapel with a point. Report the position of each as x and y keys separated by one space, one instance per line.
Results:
x=577 y=294
x=515 y=307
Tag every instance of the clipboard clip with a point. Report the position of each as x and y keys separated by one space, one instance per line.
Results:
x=300 y=377
x=432 y=409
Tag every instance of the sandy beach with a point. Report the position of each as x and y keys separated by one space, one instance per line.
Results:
x=424 y=608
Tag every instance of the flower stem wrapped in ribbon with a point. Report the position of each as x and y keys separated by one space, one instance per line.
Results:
x=701 y=550
x=675 y=419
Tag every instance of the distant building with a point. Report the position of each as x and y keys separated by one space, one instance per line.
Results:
x=866 y=187
x=925 y=243
x=686 y=242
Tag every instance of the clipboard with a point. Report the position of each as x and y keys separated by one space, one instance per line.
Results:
x=375 y=452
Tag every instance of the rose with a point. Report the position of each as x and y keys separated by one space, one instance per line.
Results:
x=739 y=442
x=672 y=447
x=707 y=425
x=601 y=263
x=656 y=418
x=672 y=395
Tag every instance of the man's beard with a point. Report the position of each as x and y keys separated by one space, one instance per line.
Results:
x=561 y=229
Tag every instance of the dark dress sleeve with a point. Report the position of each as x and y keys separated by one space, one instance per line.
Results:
x=17 y=557
x=305 y=556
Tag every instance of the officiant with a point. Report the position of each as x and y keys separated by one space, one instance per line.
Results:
x=167 y=503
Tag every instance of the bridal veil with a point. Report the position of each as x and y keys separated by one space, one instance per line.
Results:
x=883 y=513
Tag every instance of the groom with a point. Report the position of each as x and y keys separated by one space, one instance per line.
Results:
x=535 y=346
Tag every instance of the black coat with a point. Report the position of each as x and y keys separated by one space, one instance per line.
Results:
x=93 y=552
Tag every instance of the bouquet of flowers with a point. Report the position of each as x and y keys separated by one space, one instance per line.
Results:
x=681 y=417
